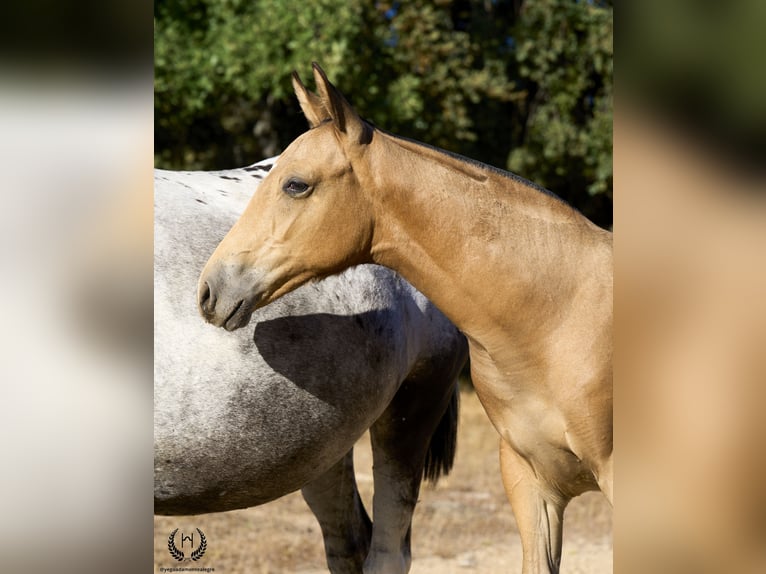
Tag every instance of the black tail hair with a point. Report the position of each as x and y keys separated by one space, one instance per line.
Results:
x=441 y=450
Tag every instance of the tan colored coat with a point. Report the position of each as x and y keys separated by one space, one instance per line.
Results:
x=527 y=278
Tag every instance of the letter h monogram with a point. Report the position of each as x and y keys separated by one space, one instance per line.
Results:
x=189 y=538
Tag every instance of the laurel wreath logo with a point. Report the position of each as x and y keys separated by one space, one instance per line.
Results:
x=200 y=551
x=174 y=552
x=195 y=554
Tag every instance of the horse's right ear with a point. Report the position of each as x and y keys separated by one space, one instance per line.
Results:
x=311 y=105
x=345 y=119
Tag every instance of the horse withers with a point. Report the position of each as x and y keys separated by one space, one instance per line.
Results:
x=243 y=418
x=526 y=277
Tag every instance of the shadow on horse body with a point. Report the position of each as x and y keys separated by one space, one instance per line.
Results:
x=244 y=418
x=526 y=277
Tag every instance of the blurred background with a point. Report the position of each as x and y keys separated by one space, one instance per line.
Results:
x=76 y=127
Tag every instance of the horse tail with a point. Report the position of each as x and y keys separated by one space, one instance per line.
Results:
x=441 y=450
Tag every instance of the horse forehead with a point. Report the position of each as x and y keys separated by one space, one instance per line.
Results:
x=318 y=149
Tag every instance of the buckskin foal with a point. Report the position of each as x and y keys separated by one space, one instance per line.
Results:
x=526 y=277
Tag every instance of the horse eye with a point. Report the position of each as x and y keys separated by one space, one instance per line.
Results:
x=296 y=188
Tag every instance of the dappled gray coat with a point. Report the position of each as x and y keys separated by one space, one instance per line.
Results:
x=242 y=418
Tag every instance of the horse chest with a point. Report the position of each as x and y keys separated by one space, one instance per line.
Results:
x=528 y=417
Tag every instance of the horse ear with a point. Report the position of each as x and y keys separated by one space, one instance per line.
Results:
x=343 y=115
x=311 y=104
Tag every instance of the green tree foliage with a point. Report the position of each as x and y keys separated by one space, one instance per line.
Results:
x=526 y=86
x=222 y=67
x=564 y=58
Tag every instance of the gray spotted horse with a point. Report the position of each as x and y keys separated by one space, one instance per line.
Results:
x=243 y=418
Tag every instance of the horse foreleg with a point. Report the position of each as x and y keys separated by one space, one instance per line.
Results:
x=539 y=513
x=606 y=479
x=346 y=528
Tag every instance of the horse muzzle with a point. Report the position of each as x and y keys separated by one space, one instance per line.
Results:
x=227 y=299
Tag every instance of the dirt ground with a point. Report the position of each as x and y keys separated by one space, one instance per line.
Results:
x=464 y=524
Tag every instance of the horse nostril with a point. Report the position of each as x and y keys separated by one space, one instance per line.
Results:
x=206 y=300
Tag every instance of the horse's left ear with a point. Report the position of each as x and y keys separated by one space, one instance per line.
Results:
x=343 y=115
x=311 y=105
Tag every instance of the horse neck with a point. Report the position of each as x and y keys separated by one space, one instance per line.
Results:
x=477 y=242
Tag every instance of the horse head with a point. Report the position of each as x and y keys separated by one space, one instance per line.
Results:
x=308 y=218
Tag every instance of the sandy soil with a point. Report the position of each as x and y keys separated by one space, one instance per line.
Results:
x=464 y=524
